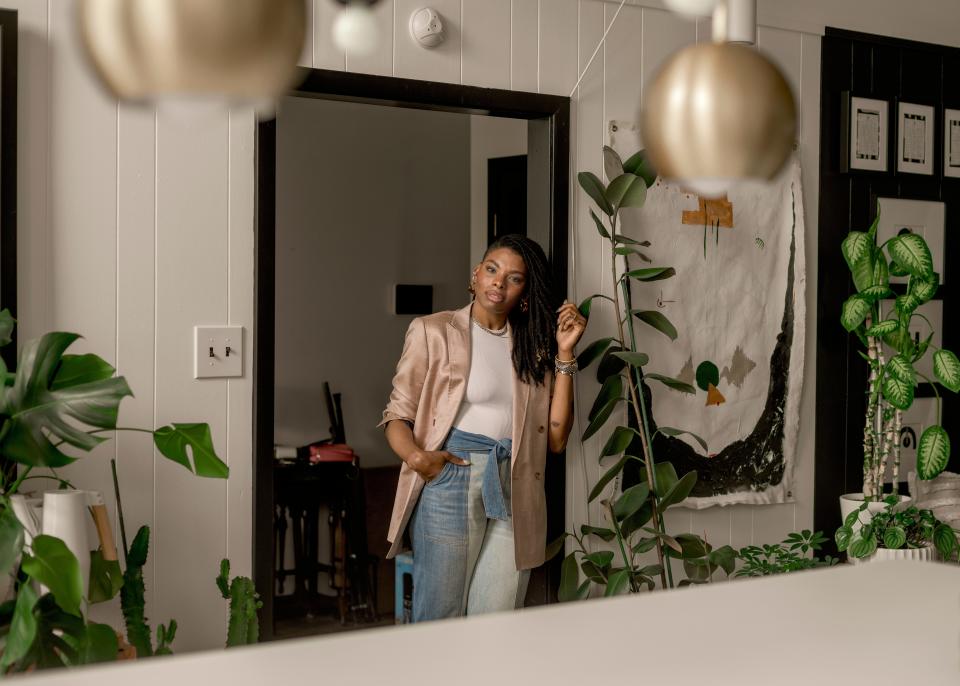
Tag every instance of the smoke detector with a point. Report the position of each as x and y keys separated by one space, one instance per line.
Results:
x=426 y=27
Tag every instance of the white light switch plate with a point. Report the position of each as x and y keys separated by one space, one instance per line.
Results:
x=217 y=351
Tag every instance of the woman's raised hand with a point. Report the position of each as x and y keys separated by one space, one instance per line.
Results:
x=570 y=327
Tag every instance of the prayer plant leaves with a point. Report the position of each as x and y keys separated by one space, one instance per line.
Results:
x=593 y=187
x=911 y=253
x=945 y=540
x=639 y=163
x=855 y=310
x=173 y=440
x=657 y=321
x=946 y=367
x=54 y=566
x=627 y=190
x=39 y=412
x=933 y=452
x=894 y=537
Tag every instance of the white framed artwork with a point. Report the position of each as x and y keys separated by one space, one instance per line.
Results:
x=868 y=134
x=915 y=138
x=951 y=143
x=922 y=217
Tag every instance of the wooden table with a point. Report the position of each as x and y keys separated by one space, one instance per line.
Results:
x=880 y=623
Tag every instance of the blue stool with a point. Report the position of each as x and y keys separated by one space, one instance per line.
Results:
x=403 y=588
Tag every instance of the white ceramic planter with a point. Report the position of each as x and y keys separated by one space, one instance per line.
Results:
x=852 y=501
x=926 y=554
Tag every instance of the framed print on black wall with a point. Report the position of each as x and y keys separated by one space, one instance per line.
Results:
x=951 y=143
x=915 y=138
x=866 y=139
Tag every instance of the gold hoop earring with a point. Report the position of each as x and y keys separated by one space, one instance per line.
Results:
x=470 y=288
x=525 y=305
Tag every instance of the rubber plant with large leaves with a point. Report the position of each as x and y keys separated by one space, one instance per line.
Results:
x=633 y=518
x=882 y=320
x=53 y=406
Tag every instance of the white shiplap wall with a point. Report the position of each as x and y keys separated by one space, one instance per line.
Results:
x=135 y=227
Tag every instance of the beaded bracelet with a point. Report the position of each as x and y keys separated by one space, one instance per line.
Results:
x=568 y=367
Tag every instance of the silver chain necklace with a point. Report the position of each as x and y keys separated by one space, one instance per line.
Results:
x=493 y=332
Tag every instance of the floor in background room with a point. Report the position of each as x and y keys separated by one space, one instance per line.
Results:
x=320 y=624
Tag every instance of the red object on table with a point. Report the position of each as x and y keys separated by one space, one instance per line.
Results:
x=331 y=452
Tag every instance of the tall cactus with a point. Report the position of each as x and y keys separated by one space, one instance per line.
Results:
x=244 y=627
x=132 y=599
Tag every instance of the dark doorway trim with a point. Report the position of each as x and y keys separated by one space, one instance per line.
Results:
x=8 y=172
x=546 y=113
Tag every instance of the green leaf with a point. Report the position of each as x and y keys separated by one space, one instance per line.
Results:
x=881 y=274
x=587 y=304
x=691 y=546
x=843 y=536
x=612 y=164
x=854 y=311
x=569 y=579
x=906 y=304
x=617 y=582
x=609 y=364
x=54 y=566
x=852 y=518
x=644 y=545
x=608 y=476
x=883 y=328
x=611 y=391
x=657 y=321
x=857 y=249
x=631 y=500
x=933 y=452
x=666 y=477
x=633 y=359
x=602 y=415
x=39 y=414
x=593 y=351
x=99 y=644
x=172 y=441
x=106 y=578
x=875 y=293
x=670 y=382
x=894 y=537
x=626 y=240
x=636 y=520
x=898 y=393
x=601 y=559
x=594 y=188
x=946 y=367
x=945 y=540
x=862 y=547
x=901 y=368
x=7 y=323
x=923 y=289
x=75 y=370
x=910 y=251
x=11 y=538
x=627 y=190
x=604 y=534
x=23 y=627
x=652 y=273
x=670 y=431
x=554 y=547
x=639 y=164
x=629 y=250
x=618 y=441
x=601 y=229
x=724 y=557
x=897 y=270
x=680 y=490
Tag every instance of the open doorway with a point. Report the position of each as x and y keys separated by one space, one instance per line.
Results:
x=374 y=199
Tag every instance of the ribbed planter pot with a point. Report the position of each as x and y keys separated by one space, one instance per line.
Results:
x=927 y=553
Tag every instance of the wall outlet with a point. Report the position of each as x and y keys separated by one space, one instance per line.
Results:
x=217 y=351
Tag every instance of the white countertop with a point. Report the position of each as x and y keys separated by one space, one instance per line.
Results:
x=880 y=623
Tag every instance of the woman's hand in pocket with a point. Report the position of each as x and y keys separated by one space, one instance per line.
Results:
x=429 y=463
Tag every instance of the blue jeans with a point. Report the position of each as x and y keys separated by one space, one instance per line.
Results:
x=463 y=553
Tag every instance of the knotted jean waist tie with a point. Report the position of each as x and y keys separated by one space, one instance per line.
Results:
x=491 y=490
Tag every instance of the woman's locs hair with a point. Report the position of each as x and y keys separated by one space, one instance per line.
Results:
x=534 y=325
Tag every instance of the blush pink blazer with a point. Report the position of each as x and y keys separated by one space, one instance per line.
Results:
x=428 y=388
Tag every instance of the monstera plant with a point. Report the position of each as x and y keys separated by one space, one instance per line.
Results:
x=882 y=320
x=52 y=407
x=634 y=517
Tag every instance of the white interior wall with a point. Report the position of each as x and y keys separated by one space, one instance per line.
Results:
x=489 y=137
x=133 y=228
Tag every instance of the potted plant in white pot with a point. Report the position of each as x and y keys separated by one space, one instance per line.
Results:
x=892 y=355
x=891 y=534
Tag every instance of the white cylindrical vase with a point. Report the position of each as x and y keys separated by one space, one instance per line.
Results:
x=65 y=516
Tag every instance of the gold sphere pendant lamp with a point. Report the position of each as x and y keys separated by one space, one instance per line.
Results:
x=235 y=50
x=718 y=114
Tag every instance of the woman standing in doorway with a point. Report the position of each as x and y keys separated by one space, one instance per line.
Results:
x=479 y=397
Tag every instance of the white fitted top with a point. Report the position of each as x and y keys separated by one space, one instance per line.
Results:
x=487 y=406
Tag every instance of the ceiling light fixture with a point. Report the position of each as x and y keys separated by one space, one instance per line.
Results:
x=355 y=29
x=215 y=50
x=718 y=114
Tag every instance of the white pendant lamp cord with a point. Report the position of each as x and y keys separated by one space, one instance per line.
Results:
x=599 y=45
